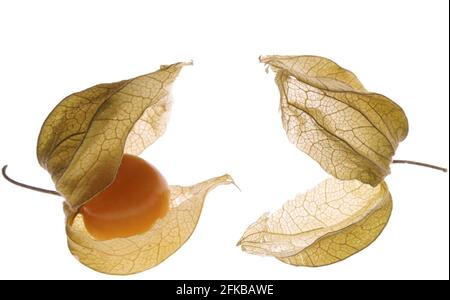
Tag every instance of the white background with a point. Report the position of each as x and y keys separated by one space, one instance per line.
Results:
x=225 y=120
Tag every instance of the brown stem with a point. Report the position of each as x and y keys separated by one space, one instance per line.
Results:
x=411 y=162
x=30 y=187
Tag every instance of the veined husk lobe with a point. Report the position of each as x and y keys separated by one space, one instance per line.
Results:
x=124 y=256
x=327 y=224
x=328 y=114
x=82 y=141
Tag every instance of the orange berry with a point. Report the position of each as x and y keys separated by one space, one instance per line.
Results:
x=138 y=196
